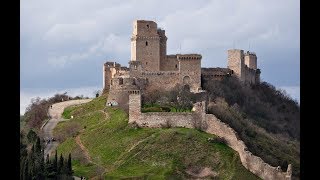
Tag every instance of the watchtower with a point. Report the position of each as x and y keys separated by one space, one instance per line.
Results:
x=145 y=45
x=236 y=63
x=134 y=105
x=250 y=59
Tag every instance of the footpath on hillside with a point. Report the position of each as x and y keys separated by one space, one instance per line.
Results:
x=55 y=113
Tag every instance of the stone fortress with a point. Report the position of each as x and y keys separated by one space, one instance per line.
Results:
x=150 y=68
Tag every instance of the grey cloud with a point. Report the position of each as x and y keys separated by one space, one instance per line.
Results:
x=77 y=36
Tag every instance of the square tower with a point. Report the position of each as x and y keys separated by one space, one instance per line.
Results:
x=250 y=59
x=236 y=63
x=145 y=45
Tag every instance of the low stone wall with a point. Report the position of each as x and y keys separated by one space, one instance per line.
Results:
x=167 y=119
x=210 y=124
x=253 y=163
x=214 y=126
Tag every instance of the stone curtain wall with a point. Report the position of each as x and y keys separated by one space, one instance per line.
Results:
x=253 y=163
x=214 y=126
x=161 y=80
x=169 y=63
x=215 y=73
x=250 y=75
x=169 y=119
x=192 y=69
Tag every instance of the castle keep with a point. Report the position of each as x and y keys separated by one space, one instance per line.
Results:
x=150 y=68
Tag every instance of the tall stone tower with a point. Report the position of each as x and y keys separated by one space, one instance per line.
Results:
x=236 y=62
x=109 y=70
x=250 y=59
x=163 y=47
x=145 y=45
x=134 y=105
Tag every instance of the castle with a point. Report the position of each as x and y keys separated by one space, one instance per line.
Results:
x=150 y=68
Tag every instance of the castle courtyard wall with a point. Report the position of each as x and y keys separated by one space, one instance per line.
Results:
x=169 y=63
x=163 y=119
x=161 y=80
x=191 y=68
x=213 y=126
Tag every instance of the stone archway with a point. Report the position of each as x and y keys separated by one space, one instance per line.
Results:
x=186 y=80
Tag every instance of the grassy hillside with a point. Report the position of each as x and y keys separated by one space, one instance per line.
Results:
x=266 y=119
x=118 y=150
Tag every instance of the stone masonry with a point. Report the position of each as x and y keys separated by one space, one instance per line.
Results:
x=151 y=68
x=214 y=126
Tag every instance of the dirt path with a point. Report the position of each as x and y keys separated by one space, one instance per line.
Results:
x=55 y=113
x=83 y=148
x=85 y=151
x=204 y=172
x=120 y=160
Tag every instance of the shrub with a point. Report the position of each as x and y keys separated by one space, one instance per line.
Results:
x=151 y=109
x=218 y=139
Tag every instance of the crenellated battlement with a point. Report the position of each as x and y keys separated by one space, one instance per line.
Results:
x=244 y=65
x=189 y=56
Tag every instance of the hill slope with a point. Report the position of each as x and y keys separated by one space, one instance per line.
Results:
x=266 y=119
x=102 y=144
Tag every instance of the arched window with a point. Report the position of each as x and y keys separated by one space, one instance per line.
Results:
x=148 y=26
x=146 y=43
x=176 y=65
x=186 y=80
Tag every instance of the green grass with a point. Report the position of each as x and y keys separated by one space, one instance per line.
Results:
x=67 y=112
x=127 y=152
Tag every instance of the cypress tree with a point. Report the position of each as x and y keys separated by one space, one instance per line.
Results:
x=47 y=160
x=38 y=147
x=41 y=169
x=32 y=151
x=69 y=165
x=31 y=162
x=60 y=167
x=55 y=162
x=26 y=170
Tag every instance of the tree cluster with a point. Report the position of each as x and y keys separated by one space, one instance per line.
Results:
x=272 y=109
x=33 y=165
x=37 y=111
x=180 y=98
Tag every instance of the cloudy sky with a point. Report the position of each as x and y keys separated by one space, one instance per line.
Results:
x=64 y=43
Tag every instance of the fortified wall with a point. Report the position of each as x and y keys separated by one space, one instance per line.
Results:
x=215 y=73
x=150 y=68
x=213 y=126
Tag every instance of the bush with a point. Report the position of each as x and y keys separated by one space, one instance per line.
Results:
x=37 y=111
x=165 y=109
x=218 y=139
x=151 y=109
x=262 y=116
